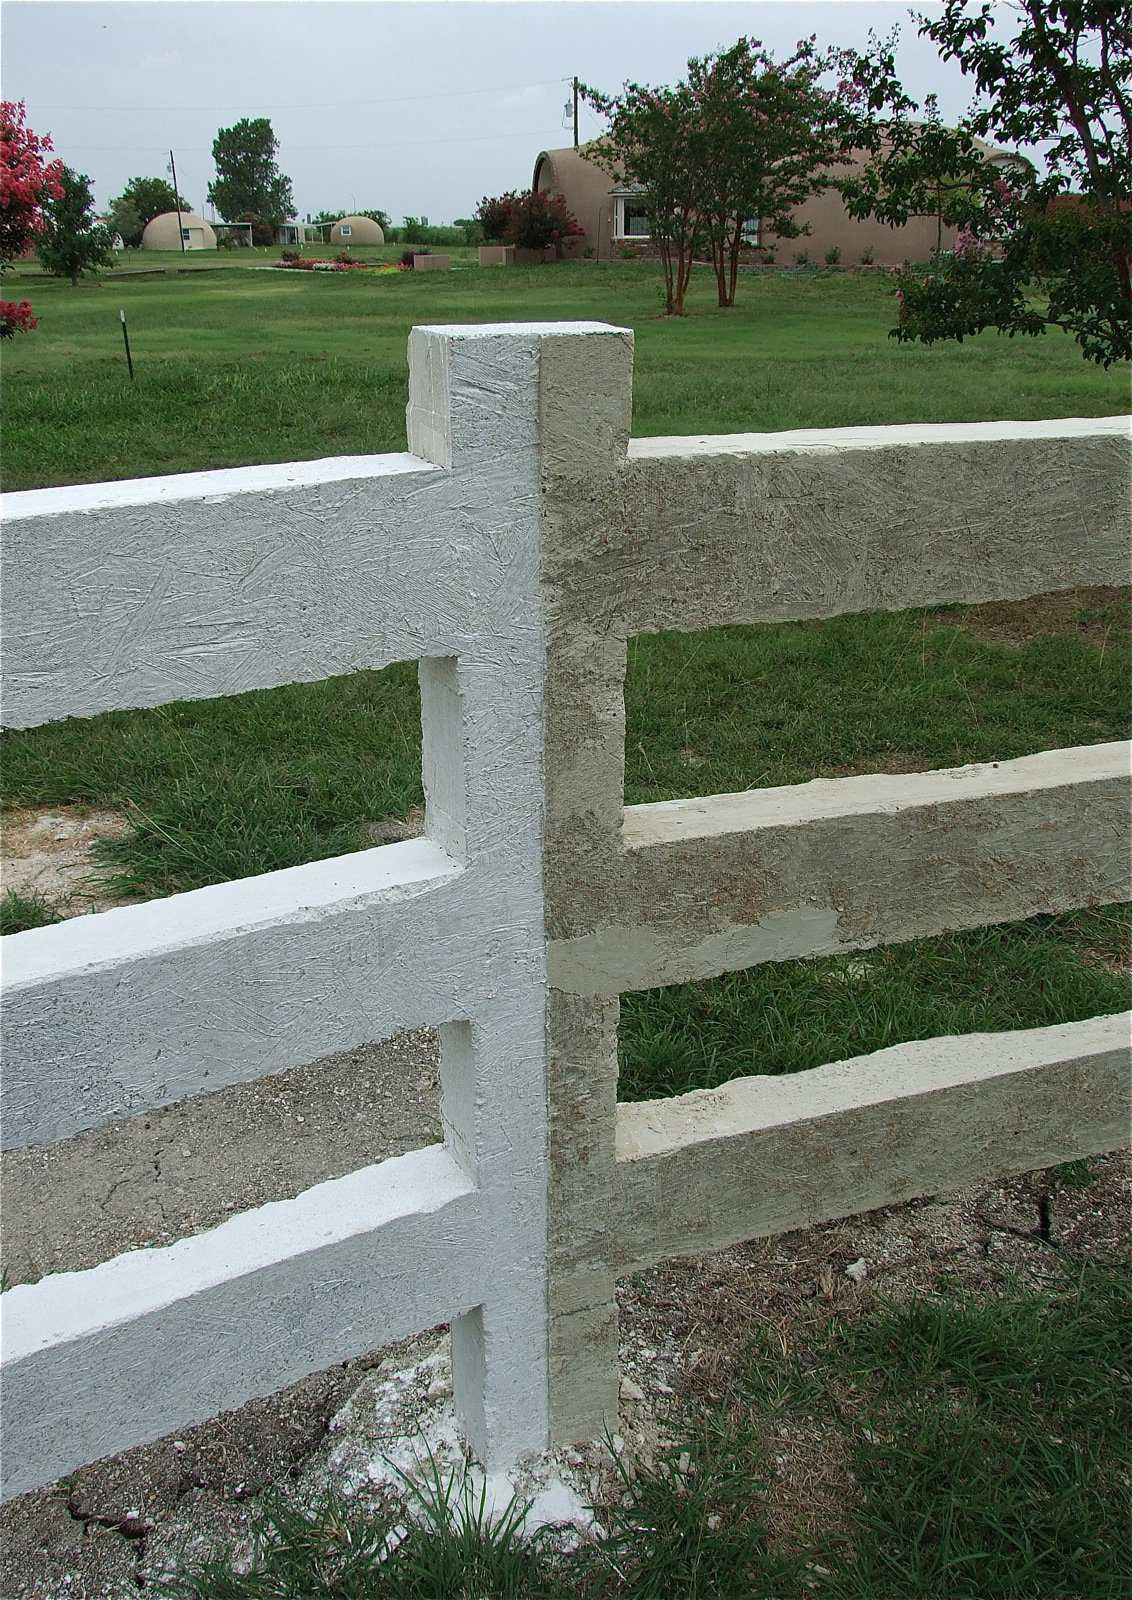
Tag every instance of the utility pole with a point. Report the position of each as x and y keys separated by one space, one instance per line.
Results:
x=177 y=197
x=575 y=113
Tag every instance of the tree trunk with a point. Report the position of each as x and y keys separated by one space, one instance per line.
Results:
x=736 y=247
x=669 y=285
x=718 y=240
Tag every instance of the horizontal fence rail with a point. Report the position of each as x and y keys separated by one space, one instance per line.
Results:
x=512 y=552
x=264 y=1299
x=917 y=1119
x=715 y=885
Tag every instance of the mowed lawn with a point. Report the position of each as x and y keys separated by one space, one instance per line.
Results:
x=241 y=366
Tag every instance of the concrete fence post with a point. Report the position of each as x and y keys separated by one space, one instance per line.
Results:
x=585 y=413
x=523 y=752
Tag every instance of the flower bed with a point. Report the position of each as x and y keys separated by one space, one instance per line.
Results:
x=319 y=264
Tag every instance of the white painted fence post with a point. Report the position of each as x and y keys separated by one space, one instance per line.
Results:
x=536 y=419
x=473 y=409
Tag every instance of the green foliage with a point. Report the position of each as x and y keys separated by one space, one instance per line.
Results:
x=1036 y=251
x=73 y=242
x=124 y=220
x=143 y=199
x=19 y=911
x=247 y=175
x=414 y=231
x=765 y=135
x=651 y=147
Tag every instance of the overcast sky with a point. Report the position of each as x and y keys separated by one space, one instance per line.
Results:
x=415 y=108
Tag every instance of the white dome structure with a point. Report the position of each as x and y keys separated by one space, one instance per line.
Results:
x=356 y=230
x=160 y=232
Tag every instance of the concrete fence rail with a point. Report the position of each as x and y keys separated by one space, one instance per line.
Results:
x=513 y=551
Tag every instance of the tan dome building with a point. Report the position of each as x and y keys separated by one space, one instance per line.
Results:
x=356 y=230
x=160 y=233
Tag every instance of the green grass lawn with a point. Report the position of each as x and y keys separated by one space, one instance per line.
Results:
x=975 y=1445
x=240 y=366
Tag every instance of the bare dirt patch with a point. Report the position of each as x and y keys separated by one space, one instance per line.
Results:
x=1095 y=615
x=50 y=852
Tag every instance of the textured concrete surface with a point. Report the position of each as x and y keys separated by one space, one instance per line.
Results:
x=720 y=884
x=143 y=1005
x=512 y=551
x=151 y=1179
x=873 y=1131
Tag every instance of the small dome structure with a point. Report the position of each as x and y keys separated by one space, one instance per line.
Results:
x=160 y=232
x=356 y=230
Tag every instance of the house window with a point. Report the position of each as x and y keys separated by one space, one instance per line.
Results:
x=186 y=236
x=752 y=230
x=630 y=219
x=345 y=230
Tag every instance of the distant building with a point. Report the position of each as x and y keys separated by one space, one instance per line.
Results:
x=161 y=232
x=614 y=218
x=356 y=230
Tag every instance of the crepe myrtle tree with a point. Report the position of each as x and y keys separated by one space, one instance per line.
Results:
x=493 y=214
x=27 y=184
x=1036 y=249
x=654 y=143
x=766 y=134
x=537 y=220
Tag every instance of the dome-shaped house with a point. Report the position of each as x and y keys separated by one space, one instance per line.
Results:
x=160 y=233
x=356 y=230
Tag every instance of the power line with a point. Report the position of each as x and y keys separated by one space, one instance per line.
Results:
x=325 y=105
x=304 y=149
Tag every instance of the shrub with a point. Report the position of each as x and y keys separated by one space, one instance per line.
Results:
x=406 y=261
x=16 y=317
x=832 y=256
x=262 y=232
x=289 y=255
x=494 y=217
x=868 y=256
x=538 y=220
x=801 y=258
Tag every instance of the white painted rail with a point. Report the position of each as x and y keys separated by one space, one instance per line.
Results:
x=512 y=551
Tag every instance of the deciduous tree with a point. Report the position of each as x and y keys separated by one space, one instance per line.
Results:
x=766 y=135
x=27 y=182
x=248 y=178
x=143 y=199
x=73 y=241
x=652 y=145
x=1038 y=250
